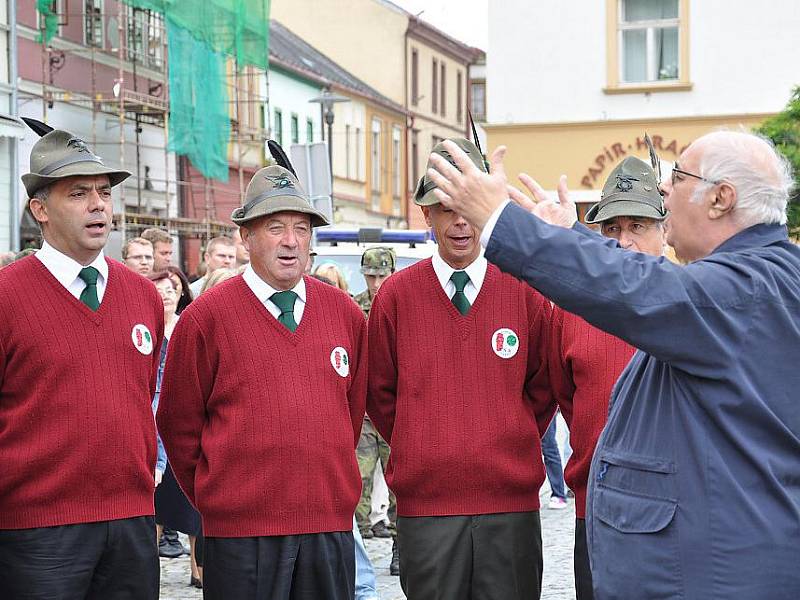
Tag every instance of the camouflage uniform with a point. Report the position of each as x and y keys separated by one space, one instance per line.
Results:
x=371 y=446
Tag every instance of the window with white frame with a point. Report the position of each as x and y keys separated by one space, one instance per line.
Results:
x=93 y=23
x=146 y=37
x=375 y=157
x=347 y=157
x=649 y=40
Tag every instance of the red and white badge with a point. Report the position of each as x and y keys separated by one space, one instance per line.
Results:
x=142 y=339
x=505 y=343
x=340 y=361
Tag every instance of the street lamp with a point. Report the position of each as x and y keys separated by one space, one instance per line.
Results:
x=326 y=100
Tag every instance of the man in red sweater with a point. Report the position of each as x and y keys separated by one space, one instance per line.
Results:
x=77 y=375
x=261 y=408
x=458 y=388
x=586 y=362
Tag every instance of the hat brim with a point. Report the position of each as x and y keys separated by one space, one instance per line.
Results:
x=34 y=182
x=623 y=208
x=278 y=204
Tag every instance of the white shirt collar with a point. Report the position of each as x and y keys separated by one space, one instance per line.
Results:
x=263 y=290
x=476 y=271
x=66 y=269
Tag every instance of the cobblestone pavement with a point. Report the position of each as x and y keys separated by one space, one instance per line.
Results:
x=557 y=539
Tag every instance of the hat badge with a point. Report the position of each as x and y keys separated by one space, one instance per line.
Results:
x=625 y=182
x=280 y=181
x=78 y=144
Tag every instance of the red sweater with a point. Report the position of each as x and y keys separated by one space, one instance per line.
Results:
x=584 y=364
x=259 y=426
x=464 y=424
x=77 y=437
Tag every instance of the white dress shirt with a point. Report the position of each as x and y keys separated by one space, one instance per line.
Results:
x=66 y=269
x=476 y=271
x=489 y=227
x=263 y=291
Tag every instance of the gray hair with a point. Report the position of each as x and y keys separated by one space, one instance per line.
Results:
x=761 y=176
x=43 y=193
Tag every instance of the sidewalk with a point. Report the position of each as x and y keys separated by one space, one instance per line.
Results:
x=557 y=538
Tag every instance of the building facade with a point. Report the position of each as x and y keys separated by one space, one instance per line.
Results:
x=579 y=96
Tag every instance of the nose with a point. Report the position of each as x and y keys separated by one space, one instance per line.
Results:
x=96 y=201
x=625 y=240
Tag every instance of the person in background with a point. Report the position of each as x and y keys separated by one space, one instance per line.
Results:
x=182 y=289
x=220 y=254
x=242 y=254
x=333 y=273
x=162 y=247
x=137 y=254
x=554 y=468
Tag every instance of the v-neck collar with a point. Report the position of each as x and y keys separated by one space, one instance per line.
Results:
x=95 y=316
x=292 y=336
x=450 y=307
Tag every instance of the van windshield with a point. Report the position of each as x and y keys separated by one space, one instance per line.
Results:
x=350 y=266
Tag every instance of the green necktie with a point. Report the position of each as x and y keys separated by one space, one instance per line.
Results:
x=460 y=279
x=89 y=293
x=285 y=301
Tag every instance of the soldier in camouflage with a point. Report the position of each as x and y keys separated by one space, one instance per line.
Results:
x=376 y=265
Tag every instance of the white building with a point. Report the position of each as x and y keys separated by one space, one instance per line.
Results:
x=572 y=86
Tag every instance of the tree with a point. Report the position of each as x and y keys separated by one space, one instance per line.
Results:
x=784 y=131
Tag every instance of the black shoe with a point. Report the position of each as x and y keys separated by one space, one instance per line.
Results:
x=366 y=534
x=381 y=530
x=394 y=565
x=171 y=547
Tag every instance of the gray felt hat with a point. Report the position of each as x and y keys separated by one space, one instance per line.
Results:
x=272 y=190
x=60 y=154
x=631 y=190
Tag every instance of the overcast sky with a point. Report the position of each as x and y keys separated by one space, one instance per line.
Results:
x=464 y=20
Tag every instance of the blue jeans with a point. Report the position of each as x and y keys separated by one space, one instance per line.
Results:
x=552 y=461
x=365 y=575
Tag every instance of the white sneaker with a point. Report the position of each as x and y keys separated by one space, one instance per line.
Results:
x=557 y=503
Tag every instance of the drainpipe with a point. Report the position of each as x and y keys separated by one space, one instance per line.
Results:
x=13 y=142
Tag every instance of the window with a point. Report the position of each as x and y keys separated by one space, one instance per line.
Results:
x=478 y=100
x=414 y=77
x=443 y=96
x=277 y=132
x=375 y=156
x=459 y=97
x=295 y=129
x=93 y=23
x=359 y=171
x=347 y=150
x=648 y=40
x=414 y=158
x=435 y=86
x=59 y=8
x=309 y=131
x=146 y=37
x=647 y=45
x=396 y=170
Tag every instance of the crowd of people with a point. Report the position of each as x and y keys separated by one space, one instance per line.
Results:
x=276 y=394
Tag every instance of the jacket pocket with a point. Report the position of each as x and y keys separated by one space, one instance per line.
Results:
x=634 y=543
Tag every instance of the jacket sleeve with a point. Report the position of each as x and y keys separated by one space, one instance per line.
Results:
x=188 y=378
x=685 y=316
x=382 y=389
x=558 y=367
x=537 y=385
x=357 y=393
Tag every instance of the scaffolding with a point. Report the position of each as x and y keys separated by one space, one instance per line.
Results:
x=133 y=41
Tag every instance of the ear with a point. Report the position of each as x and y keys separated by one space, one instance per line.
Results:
x=723 y=202
x=426 y=211
x=38 y=210
x=244 y=233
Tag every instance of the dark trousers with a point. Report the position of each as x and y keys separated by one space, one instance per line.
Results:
x=480 y=557
x=583 y=575
x=290 y=567
x=86 y=561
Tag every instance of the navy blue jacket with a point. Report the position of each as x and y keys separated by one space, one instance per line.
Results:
x=694 y=489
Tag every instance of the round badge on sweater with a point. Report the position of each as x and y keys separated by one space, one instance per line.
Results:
x=340 y=361
x=142 y=339
x=505 y=343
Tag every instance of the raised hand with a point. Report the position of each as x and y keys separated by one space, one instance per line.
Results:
x=561 y=212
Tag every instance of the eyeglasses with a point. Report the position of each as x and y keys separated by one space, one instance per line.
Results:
x=675 y=169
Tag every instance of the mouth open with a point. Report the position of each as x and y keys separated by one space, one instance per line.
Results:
x=287 y=261
x=96 y=228
x=461 y=241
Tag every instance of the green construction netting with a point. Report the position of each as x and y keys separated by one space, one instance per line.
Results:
x=200 y=35
x=50 y=21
